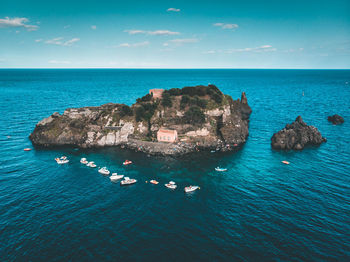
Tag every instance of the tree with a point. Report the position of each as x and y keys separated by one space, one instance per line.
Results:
x=175 y=91
x=139 y=113
x=194 y=115
x=166 y=99
x=125 y=111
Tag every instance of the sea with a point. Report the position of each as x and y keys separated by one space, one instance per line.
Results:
x=259 y=210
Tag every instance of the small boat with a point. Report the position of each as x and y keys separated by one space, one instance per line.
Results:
x=114 y=177
x=91 y=164
x=171 y=185
x=104 y=171
x=127 y=162
x=220 y=169
x=285 y=162
x=127 y=181
x=154 y=182
x=27 y=149
x=191 y=188
x=84 y=161
x=62 y=160
x=212 y=151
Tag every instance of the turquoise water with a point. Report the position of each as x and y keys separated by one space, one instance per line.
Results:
x=259 y=210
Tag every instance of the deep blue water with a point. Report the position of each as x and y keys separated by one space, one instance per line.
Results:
x=259 y=210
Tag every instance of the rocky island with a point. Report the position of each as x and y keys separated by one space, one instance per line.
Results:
x=296 y=136
x=336 y=119
x=165 y=122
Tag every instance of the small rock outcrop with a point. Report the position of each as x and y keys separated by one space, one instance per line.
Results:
x=336 y=119
x=204 y=118
x=296 y=136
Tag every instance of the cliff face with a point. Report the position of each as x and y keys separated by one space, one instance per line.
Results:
x=204 y=118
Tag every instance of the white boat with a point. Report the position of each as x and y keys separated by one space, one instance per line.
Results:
x=127 y=181
x=61 y=161
x=104 y=171
x=84 y=161
x=155 y=182
x=191 y=188
x=171 y=185
x=115 y=177
x=91 y=164
x=220 y=169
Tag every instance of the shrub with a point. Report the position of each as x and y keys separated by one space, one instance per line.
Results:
x=194 y=115
x=185 y=100
x=202 y=103
x=217 y=98
x=145 y=98
x=125 y=111
x=139 y=113
x=174 y=91
x=166 y=99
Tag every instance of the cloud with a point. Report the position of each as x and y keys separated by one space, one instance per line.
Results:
x=173 y=9
x=134 y=44
x=181 y=41
x=263 y=48
x=156 y=32
x=226 y=26
x=210 y=52
x=59 y=62
x=17 y=22
x=38 y=40
x=60 y=41
x=93 y=27
x=184 y=40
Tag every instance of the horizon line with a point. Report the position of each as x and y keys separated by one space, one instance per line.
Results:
x=173 y=68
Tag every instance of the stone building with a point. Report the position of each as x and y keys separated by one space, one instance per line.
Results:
x=157 y=93
x=167 y=135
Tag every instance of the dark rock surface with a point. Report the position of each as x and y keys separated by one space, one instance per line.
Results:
x=336 y=119
x=296 y=136
x=218 y=122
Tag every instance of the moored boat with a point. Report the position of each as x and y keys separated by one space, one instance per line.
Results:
x=115 y=177
x=171 y=185
x=27 y=149
x=191 y=188
x=128 y=181
x=104 y=171
x=84 y=161
x=91 y=164
x=62 y=160
x=285 y=162
x=127 y=162
x=219 y=169
x=155 y=182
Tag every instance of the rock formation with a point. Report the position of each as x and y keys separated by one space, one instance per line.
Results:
x=205 y=119
x=336 y=119
x=296 y=136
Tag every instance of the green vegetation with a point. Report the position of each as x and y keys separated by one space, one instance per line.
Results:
x=175 y=92
x=194 y=116
x=145 y=98
x=190 y=101
x=145 y=111
x=125 y=111
x=166 y=99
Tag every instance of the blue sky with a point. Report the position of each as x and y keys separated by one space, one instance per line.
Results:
x=175 y=34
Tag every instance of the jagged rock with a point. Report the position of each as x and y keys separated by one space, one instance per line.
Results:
x=336 y=119
x=296 y=136
x=223 y=124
